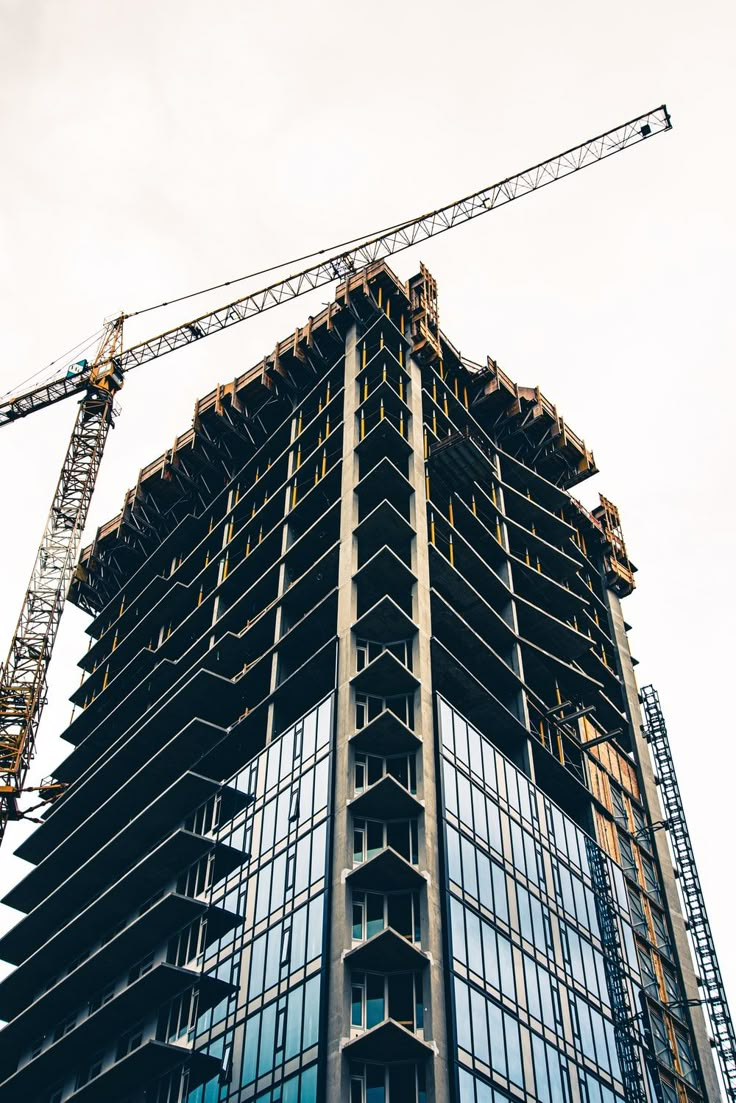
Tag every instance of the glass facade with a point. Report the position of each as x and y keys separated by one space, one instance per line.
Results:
x=530 y=993
x=267 y=1033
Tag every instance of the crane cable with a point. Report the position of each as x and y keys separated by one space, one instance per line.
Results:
x=86 y=344
x=76 y=350
x=271 y=268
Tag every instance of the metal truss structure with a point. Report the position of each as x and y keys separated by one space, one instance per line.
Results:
x=624 y=1022
x=336 y=267
x=23 y=676
x=695 y=912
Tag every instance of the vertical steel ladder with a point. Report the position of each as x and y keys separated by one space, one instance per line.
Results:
x=692 y=895
x=625 y=1030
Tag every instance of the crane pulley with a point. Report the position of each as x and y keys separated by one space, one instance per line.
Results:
x=23 y=676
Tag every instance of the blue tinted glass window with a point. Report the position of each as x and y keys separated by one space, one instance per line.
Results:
x=294 y=1021
x=458 y=930
x=454 y=870
x=266 y=1050
x=540 y=1069
x=461 y=739
x=475 y=755
x=490 y=956
x=450 y=786
x=532 y=990
x=258 y=958
x=298 y=938
x=462 y=1015
x=489 y=765
x=250 y=1052
x=273 y=957
x=513 y=1050
x=480 y=1030
x=311 y=1012
x=309 y=733
x=467 y=1092
x=316 y=914
x=494 y=828
x=506 y=966
x=485 y=886
x=324 y=718
x=498 y=1048
x=475 y=955
x=479 y=814
x=445 y=718
x=320 y=786
x=319 y=851
x=465 y=804
x=470 y=882
x=500 y=896
x=309 y=1086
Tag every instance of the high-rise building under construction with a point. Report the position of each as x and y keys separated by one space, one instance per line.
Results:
x=359 y=806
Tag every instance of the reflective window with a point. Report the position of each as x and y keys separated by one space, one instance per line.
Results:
x=525 y=930
x=272 y=1020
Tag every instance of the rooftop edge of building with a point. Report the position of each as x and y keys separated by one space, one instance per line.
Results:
x=560 y=456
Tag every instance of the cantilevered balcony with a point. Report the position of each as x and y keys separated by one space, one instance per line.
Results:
x=385 y=871
x=144 y=933
x=462 y=459
x=92 y=856
x=383 y=525
x=154 y=989
x=384 y=481
x=182 y=750
x=385 y=676
x=386 y=952
x=202 y=694
x=384 y=573
x=527 y=481
x=157 y=869
x=387 y=800
x=384 y=439
x=482 y=660
x=144 y=1065
x=385 y=734
x=386 y=1043
x=482 y=707
x=384 y=622
x=495 y=625
x=530 y=512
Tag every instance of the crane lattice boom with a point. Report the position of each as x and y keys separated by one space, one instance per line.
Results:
x=339 y=266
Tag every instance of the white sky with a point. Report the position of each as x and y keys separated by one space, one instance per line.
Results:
x=153 y=147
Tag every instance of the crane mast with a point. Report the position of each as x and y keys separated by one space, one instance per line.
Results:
x=23 y=677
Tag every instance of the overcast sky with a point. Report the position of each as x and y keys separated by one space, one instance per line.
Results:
x=151 y=148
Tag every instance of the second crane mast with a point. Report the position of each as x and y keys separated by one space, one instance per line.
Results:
x=23 y=677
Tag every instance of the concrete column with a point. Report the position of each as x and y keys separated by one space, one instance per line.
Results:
x=338 y=1013
x=438 y=1080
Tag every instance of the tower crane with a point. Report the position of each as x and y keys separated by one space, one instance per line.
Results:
x=23 y=677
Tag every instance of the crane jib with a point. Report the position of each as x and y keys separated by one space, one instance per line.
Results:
x=336 y=267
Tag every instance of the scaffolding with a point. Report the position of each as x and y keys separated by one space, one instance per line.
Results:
x=618 y=566
x=695 y=912
x=627 y=1039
